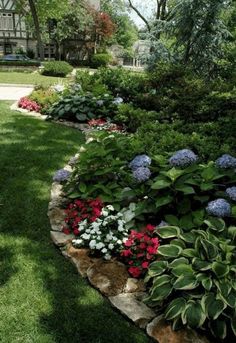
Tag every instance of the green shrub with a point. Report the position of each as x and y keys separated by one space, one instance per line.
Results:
x=100 y=60
x=57 y=68
x=82 y=107
x=133 y=118
x=20 y=63
x=193 y=280
x=45 y=98
x=121 y=82
x=90 y=83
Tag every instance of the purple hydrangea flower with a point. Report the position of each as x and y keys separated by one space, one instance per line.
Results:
x=183 y=158
x=141 y=174
x=231 y=192
x=61 y=175
x=118 y=101
x=140 y=161
x=219 y=208
x=226 y=161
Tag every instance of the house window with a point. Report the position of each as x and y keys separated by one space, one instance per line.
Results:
x=6 y=21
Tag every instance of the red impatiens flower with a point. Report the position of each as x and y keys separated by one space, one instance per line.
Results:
x=140 y=249
x=29 y=105
x=135 y=271
x=66 y=231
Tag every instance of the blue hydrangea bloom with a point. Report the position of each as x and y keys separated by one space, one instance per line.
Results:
x=61 y=175
x=183 y=158
x=219 y=208
x=140 y=161
x=231 y=192
x=117 y=101
x=226 y=161
x=141 y=174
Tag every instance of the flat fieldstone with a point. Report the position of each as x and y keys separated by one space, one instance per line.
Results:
x=60 y=239
x=134 y=285
x=110 y=277
x=80 y=258
x=131 y=306
x=162 y=332
x=57 y=218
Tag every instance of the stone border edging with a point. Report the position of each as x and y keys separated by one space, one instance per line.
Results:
x=112 y=279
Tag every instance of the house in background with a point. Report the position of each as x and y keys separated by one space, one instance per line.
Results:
x=14 y=33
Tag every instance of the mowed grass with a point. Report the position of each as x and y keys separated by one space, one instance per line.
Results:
x=30 y=78
x=42 y=298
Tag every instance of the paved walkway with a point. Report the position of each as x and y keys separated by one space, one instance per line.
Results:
x=14 y=92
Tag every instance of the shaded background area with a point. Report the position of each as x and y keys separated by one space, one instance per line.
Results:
x=42 y=298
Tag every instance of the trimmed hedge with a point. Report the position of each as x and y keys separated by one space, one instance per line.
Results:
x=57 y=68
x=20 y=63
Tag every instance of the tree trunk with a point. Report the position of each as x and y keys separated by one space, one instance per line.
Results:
x=37 y=28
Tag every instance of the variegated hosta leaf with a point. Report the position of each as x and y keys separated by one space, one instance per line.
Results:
x=220 y=269
x=233 y=325
x=201 y=265
x=210 y=250
x=178 y=242
x=182 y=269
x=167 y=232
x=178 y=261
x=194 y=315
x=175 y=308
x=214 y=307
x=157 y=268
x=218 y=328
x=190 y=253
x=169 y=250
x=186 y=282
x=216 y=224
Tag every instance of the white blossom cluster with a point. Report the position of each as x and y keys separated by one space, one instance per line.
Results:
x=106 y=234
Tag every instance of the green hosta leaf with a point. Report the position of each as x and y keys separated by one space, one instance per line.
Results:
x=178 y=261
x=223 y=286
x=161 y=288
x=182 y=269
x=163 y=200
x=161 y=184
x=189 y=237
x=190 y=253
x=207 y=283
x=198 y=217
x=214 y=307
x=179 y=243
x=211 y=251
x=175 y=308
x=174 y=174
x=187 y=282
x=232 y=231
x=168 y=232
x=194 y=315
x=216 y=224
x=157 y=268
x=161 y=280
x=185 y=189
x=201 y=265
x=220 y=269
x=177 y=324
x=172 y=220
x=233 y=325
x=81 y=117
x=169 y=250
x=229 y=299
x=218 y=328
x=186 y=222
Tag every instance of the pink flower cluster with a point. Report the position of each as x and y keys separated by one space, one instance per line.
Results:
x=103 y=124
x=29 y=105
x=140 y=250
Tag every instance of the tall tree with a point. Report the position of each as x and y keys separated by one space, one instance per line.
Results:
x=35 y=17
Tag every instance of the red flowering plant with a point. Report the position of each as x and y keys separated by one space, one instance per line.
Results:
x=79 y=210
x=103 y=124
x=140 y=250
x=29 y=105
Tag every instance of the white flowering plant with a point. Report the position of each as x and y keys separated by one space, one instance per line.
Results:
x=107 y=233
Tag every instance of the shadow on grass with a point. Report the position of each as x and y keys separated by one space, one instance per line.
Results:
x=65 y=308
x=7 y=268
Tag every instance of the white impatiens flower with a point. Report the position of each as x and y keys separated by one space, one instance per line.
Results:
x=104 y=250
x=85 y=236
x=110 y=208
x=107 y=257
x=100 y=245
x=77 y=241
x=119 y=241
x=104 y=213
x=92 y=244
x=111 y=246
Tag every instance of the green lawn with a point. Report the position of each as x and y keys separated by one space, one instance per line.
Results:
x=30 y=78
x=42 y=298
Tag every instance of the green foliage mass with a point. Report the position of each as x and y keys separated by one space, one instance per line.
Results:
x=100 y=60
x=57 y=68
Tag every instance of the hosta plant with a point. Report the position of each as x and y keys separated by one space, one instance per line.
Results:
x=193 y=278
